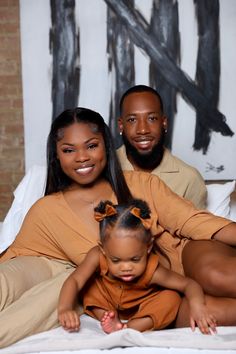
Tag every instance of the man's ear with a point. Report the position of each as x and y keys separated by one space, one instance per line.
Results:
x=120 y=124
x=165 y=122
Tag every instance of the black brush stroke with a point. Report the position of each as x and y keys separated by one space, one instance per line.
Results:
x=138 y=30
x=164 y=26
x=208 y=64
x=120 y=61
x=64 y=45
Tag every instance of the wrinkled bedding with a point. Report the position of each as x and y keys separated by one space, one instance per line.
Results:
x=91 y=336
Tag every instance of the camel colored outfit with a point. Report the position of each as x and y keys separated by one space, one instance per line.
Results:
x=55 y=238
x=181 y=178
x=132 y=300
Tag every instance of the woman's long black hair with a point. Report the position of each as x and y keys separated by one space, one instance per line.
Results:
x=57 y=180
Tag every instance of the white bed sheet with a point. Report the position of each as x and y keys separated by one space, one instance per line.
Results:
x=145 y=350
x=127 y=341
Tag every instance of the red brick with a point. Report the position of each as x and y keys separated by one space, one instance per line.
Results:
x=9 y=14
x=8 y=28
x=10 y=79
x=17 y=103
x=7 y=91
x=4 y=3
x=8 y=67
x=11 y=105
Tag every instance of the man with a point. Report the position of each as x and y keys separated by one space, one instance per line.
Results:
x=143 y=126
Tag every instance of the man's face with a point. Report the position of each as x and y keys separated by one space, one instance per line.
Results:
x=142 y=124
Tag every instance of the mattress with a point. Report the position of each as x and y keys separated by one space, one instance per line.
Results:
x=91 y=339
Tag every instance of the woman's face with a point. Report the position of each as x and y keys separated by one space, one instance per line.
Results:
x=81 y=152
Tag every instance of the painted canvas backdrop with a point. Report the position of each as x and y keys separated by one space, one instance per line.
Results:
x=82 y=67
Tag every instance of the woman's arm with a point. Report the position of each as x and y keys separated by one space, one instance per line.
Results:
x=194 y=294
x=172 y=213
x=227 y=234
x=67 y=315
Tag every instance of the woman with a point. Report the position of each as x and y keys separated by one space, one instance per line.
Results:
x=60 y=229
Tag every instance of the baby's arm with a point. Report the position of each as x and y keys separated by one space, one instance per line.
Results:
x=67 y=315
x=193 y=292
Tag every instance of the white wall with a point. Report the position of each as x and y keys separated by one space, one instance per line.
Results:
x=96 y=83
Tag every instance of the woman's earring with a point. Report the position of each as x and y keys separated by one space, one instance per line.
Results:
x=165 y=130
x=120 y=133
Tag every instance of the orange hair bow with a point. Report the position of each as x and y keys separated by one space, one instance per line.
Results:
x=109 y=211
x=146 y=222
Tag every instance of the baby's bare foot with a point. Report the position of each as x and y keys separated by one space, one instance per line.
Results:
x=110 y=322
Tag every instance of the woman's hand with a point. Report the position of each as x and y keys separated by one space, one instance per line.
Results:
x=69 y=319
x=206 y=322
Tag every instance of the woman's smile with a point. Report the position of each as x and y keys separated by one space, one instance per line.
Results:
x=84 y=170
x=81 y=152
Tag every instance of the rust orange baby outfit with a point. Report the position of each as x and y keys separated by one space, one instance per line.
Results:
x=132 y=300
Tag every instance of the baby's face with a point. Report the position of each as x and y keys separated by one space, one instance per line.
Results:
x=126 y=255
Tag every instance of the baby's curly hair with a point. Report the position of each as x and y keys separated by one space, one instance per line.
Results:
x=134 y=215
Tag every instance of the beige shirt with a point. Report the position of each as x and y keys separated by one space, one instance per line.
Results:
x=52 y=229
x=183 y=179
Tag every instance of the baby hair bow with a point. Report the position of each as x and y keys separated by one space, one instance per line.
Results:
x=109 y=211
x=146 y=222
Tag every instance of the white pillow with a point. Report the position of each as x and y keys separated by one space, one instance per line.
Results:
x=30 y=189
x=218 y=198
x=233 y=206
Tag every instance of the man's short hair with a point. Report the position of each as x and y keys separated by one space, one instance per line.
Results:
x=140 y=88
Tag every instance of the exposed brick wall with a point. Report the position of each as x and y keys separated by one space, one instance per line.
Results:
x=11 y=105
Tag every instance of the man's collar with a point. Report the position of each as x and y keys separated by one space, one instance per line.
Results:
x=125 y=164
x=168 y=163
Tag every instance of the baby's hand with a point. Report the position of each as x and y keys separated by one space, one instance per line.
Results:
x=206 y=322
x=69 y=320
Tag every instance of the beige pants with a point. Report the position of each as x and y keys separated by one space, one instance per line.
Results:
x=29 y=291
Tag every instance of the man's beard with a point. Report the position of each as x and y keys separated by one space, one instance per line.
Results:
x=149 y=160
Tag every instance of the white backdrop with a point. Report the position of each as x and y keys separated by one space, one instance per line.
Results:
x=96 y=83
